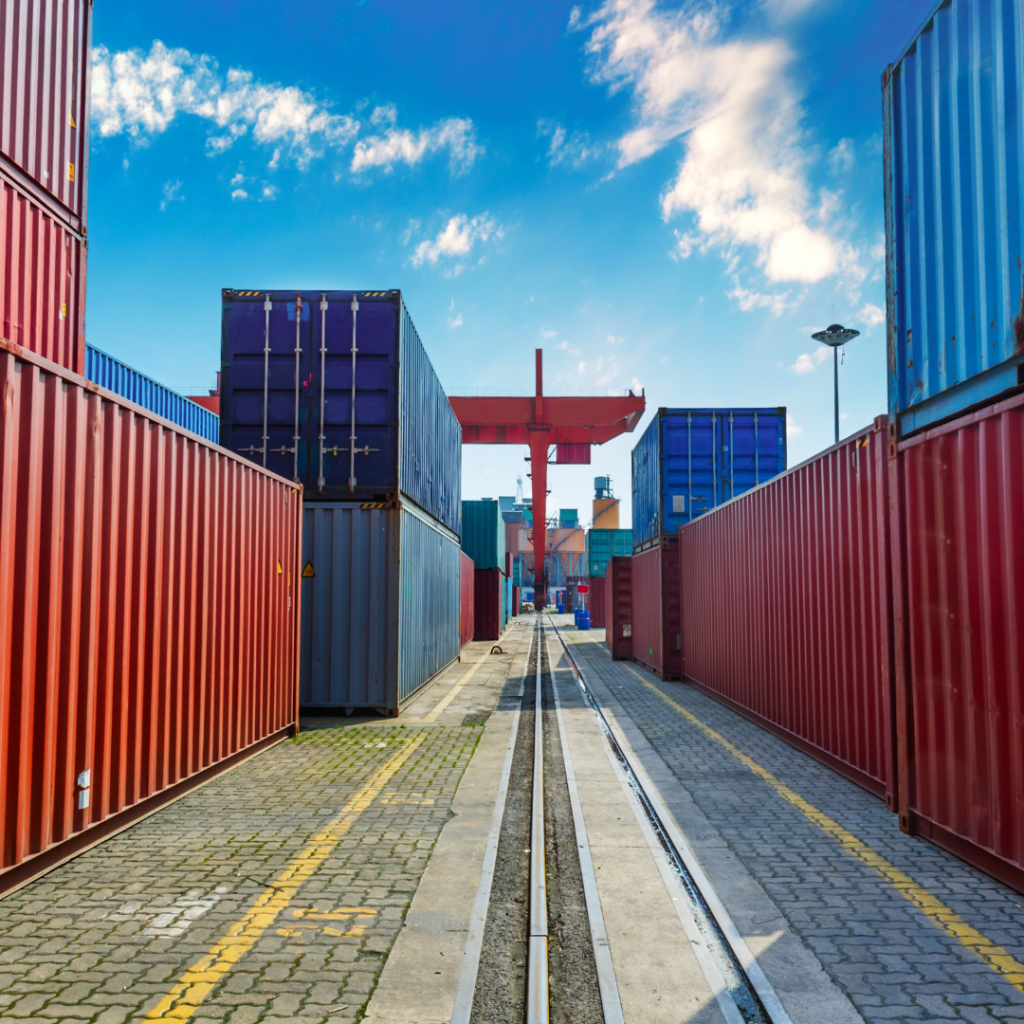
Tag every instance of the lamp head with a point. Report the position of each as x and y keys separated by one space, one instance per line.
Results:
x=836 y=335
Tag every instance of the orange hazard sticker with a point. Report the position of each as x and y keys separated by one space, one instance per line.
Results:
x=307 y=571
x=280 y=571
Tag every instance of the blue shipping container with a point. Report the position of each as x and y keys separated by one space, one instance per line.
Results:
x=483 y=534
x=291 y=365
x=112 y=374
x=689 y=461
x=953 y=111
x=602 y=546
x=380 y=605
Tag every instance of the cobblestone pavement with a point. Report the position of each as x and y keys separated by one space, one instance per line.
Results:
x=108 y=935
x=891 y=959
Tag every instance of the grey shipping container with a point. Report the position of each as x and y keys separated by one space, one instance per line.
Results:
x=112 y=374
x=483 y=534
x=334 y=389
x=953 y=131
x=380 y=605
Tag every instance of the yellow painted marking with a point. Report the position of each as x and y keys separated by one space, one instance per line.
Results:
x=940 y=915
x=452 y=693
x=307 y=571
x=210 y=969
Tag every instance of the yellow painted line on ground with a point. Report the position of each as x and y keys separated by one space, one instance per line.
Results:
x=202 y=977
x=452 y=694
x=948 y=920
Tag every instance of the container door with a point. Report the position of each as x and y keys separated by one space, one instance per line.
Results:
x=374 y=403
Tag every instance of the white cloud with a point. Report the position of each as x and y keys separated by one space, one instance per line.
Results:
x=575 y=149
x=455 y=321
x=399 y=145
x=269 y=193
x=239 y=193
x=635 y=386
x=842 y=157
x=743 y=176
x=749 y=299
x=457 y=238
x=871 y=315
x=547 y=332
x=792 y=430
x=612 y=340
x=807 y=361
x=172 y=194
x=140 y=94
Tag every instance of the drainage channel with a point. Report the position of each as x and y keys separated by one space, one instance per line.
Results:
x=744 y=994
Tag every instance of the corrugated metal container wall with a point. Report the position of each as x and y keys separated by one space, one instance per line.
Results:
x=618 y=602
x=601 y=545
x=953 y=108
x=786 y=607
x=407 y=438
x=959 y=571
x=42 y=287
x=380 y=592
x=515 y=601
x=147 y=624
x=483 y=534
x=112 y=374
x=467 y=587
x=46 y=62
x=596 y=602
x=487 y=602
x=689 y=461
x=657 y=639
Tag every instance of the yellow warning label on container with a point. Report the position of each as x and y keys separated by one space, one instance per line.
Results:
x=71 y=171
x=63 y=310
x=280 y=571
x=307 y=571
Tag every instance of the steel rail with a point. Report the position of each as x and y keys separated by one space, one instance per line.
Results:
x=611 y=1005
x=537 y=997
x=475 y=941
x=755 y=999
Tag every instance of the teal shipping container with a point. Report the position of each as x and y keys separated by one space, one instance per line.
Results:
x=602 y=546
x=483 y=533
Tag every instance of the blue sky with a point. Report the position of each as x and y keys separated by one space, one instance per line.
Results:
x=663 y=195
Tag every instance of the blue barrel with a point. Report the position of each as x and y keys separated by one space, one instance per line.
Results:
x=561 y=609
x=583 y=620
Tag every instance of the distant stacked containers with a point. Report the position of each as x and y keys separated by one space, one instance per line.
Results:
x=602 y=545
x=44 y=147
x=483 y=540
x=112 y=374
x=618 y=603
x=687 y=462
x=335 y=390
x=595 y=601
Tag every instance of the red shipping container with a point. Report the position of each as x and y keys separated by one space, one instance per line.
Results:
x=467 y=587
x=595 y=602
x=45 y=54
x=657 y=639
x=786 y=608
x=148 y=612
x=515 y=601
x=618 y=598
x=958 y=571
x=489 y=584
x=572 y=454
x=42 y=287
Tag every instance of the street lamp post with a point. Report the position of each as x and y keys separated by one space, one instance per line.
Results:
x=836 y=336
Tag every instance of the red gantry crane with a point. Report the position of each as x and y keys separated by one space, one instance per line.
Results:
x=540 y=422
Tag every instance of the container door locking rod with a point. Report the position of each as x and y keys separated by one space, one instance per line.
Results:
x=298 y=355
x=266 y=372
x=352 y=418
x=323 y=385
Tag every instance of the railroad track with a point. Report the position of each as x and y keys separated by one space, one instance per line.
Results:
x=538 y=948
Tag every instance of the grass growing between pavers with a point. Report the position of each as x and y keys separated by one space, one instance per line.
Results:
x=107 y=936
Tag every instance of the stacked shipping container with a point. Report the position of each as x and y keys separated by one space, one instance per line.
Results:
x=618 y=603
x=335 y=390
x=120 y=378
x=44 y=148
